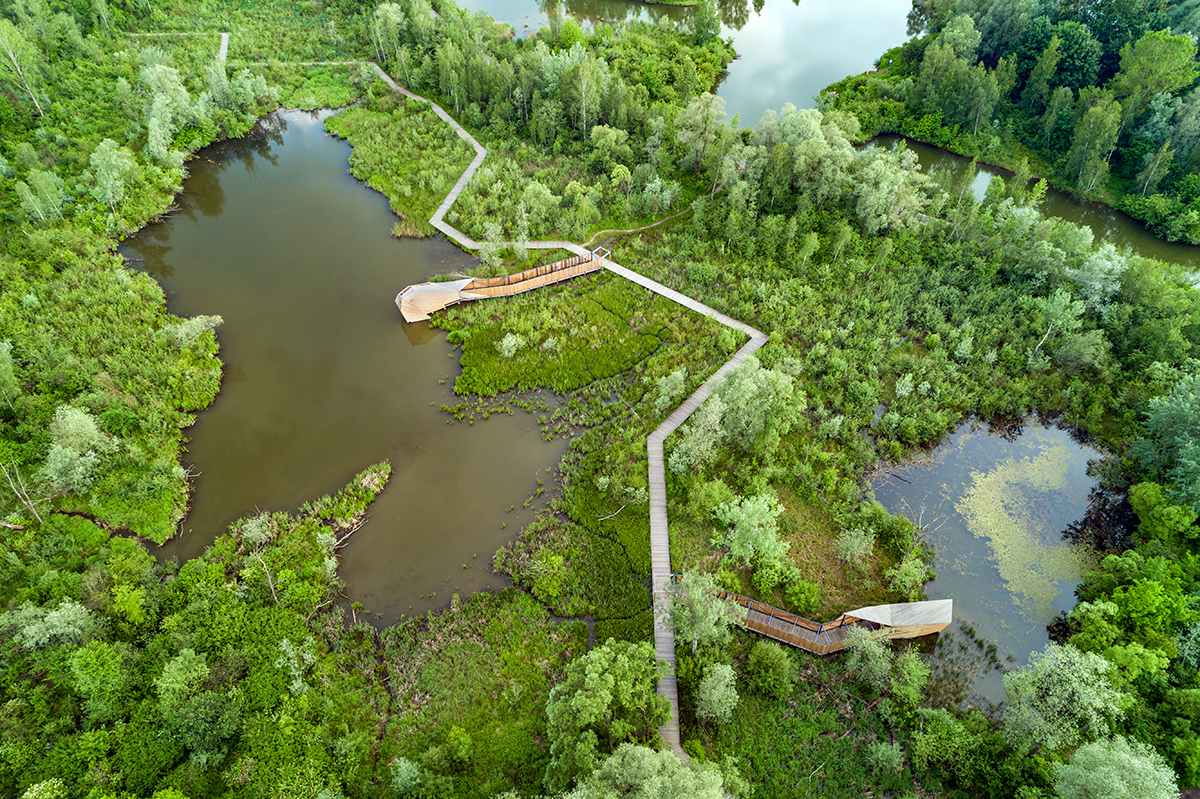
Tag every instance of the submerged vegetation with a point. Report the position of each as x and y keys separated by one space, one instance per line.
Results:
x=1000 y=506
x=896 y=306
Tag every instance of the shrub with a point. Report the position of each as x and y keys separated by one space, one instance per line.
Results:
x=770 y=670
x=855 y=545
x=510 y=345
x=716 y=696
x=767 y=575
x=884 y=758
x=803 y=597
x=406 y=776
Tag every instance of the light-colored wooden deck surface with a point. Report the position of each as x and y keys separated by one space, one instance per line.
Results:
x=419 y=301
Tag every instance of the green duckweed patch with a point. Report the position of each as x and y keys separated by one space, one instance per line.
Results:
x=1005 y=505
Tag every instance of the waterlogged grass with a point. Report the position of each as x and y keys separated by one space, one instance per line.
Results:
x=310 y=88
x=563 y=337
x=1003 y=506
x=551 y=554
x=405 y=152
x=612 y=342
x=474 y=680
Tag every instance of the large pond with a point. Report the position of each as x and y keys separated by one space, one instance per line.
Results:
x=788 y=50
x=996 y=508
x=321 y=378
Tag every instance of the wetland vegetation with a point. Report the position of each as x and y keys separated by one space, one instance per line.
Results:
x=898 y=305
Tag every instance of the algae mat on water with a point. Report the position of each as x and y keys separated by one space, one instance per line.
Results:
x=1008 y=506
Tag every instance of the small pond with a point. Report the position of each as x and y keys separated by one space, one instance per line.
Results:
x=321 y=378
x=1107 y=224
x=996 y=507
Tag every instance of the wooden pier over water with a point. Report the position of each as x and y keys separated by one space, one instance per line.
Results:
x=903 y=620
x=418 y=301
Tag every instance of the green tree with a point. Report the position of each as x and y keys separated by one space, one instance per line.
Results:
x=10 y=387
x=1099 y=277
x=35 y=627
x=717 y=695
x=1060 y=697
x=98 y=673
x=42 y=197
x=19 y=61
x=1155 y=166
x=1158 y=517
x=1171 y=445
x=706 y=22
x=698 y=126
x=639 y=772
x=490 y=249
x=695 y=611
x=1115 y=768
x=1037 y=90
x=606 y=698
x=1158 y=62
x=1061 y=314
x=699 y=437
x=753 y=533
x=760 y=406
x=1095 y=136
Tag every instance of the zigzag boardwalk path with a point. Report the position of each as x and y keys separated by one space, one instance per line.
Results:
x=904 y=620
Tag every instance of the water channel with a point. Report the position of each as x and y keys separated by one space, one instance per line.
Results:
x=788 y=50
x=322 y=380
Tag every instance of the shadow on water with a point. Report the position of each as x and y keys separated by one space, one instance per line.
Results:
x=1003 y=503
x=323 y=379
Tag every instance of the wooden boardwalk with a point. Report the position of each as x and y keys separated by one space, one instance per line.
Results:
x=902 y=620
x=418 y=301
x=761 y=618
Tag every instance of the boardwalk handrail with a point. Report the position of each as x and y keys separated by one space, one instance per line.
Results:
x=790 y=635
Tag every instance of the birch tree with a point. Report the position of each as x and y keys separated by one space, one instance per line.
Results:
x=19 y=61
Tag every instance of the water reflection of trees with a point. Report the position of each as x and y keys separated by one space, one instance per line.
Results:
x=734 y=13
x=203 y=192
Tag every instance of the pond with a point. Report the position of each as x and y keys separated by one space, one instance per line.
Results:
x=996 y=508
x=788 y=50
x=1106 y=223
x=321 y=379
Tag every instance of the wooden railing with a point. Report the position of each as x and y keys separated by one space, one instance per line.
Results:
x=781 y=625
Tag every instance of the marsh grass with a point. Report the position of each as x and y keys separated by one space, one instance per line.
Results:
x=485 y=666
x=405 y=152
x=311 y=87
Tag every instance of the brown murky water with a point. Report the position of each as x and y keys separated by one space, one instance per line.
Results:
x=321 y=377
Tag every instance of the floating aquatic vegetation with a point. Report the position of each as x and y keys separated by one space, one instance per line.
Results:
x=1009 y=506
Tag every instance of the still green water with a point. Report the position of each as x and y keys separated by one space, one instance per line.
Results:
x=321 y=377
x=996 y=509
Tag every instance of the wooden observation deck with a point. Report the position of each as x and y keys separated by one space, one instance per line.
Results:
x=418 y=301
x=900 y=620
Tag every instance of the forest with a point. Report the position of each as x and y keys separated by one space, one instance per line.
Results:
x=1096 y=96
x=897 y=305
